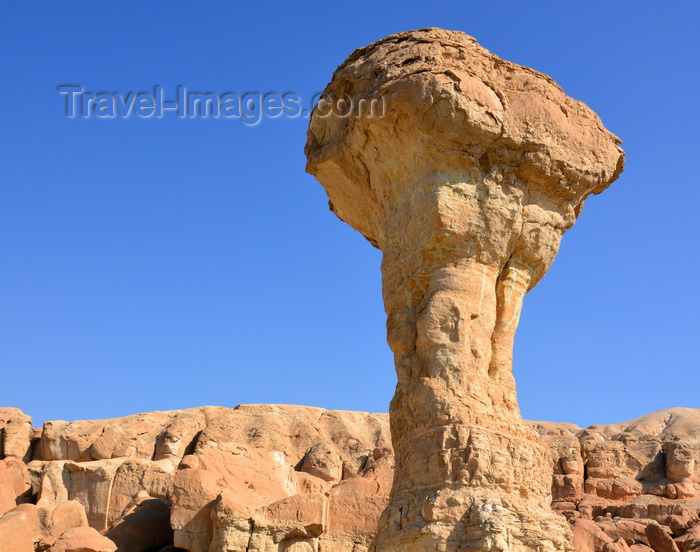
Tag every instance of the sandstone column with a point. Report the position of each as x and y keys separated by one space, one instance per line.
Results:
x=466 y=181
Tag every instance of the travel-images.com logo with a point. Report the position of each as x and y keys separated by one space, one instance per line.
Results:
x=249 y=108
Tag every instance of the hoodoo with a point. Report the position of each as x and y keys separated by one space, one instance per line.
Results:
x=466 y=182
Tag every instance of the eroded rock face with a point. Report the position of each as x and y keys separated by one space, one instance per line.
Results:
x=264 y=478
x=272 y=477
x=261 y=478
x=645 y=469
x=15 y=429
x=466 y=184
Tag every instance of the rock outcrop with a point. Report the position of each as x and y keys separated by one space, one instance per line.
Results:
x=466 y=182
x=644 y=469
x=257 y=478
x=279 y=477
x=265 y=478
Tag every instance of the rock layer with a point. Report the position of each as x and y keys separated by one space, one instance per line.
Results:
x=466 y=183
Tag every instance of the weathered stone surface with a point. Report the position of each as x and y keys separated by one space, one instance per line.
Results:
x=67 y=515
x=589 y=537
x=152 y=436
x=628 y=530
x=82 y=539
x=37 y=526
x=660 y=539
x=466 y=184
x=628 y=466
x=15 y=483
x=262 y=475
x=243 y=486
x=19 y=529
x=270 y=469
x=689 y=540
x=15 y=430
x=105 y=464
x=144 y=526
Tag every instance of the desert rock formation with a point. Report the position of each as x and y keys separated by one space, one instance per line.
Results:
x=257 y=478
x=466 y=183
x=271 y=478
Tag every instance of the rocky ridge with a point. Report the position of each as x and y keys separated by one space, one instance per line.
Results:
x=271 y=478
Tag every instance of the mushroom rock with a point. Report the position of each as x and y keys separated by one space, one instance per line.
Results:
x=465 y=175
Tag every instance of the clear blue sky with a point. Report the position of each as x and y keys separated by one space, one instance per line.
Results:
x=153 y=264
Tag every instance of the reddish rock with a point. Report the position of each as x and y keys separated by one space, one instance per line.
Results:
x=659 y=539
x=689 y=540
x=589 y=537
x=145 y=526
x=628 y=530
x=15 y=482
x=151 y=436
x=259 y=463
x=242 y=486
x=82 y=539
x=66 y=516
x=15 y=432
x=323 y=462
x=20 y=529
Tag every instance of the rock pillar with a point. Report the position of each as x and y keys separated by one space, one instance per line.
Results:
x=465 y=170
